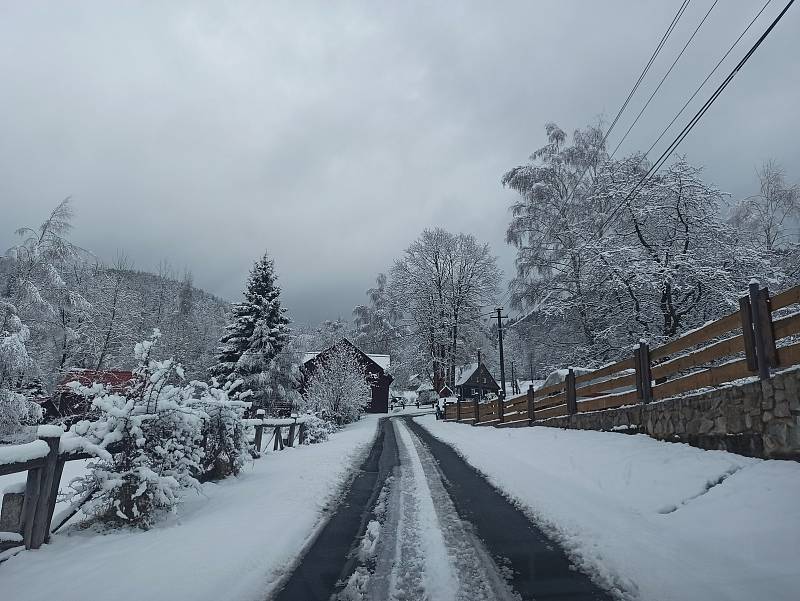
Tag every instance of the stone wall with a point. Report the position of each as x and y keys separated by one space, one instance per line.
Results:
x=759 y=419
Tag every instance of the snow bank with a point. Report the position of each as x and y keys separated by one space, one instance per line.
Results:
x=560 y=375
x=14 y=488
x=49 y=431
x=23 y=452
x=231 y=542
x=651 y=520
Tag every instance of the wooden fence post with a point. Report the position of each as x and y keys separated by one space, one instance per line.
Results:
x=458 y=409
x=637 y=366
x=476 y=415
x=764 y=337
x=32 y=488
x=746 y=317
x=530 y=404
x=572 y=401
x=260 y=413
x=259 y=437
x=51 y=508
x=501 y=410
x=644 y=376
x=292 y=429
x=41 y=524
x=301 y=434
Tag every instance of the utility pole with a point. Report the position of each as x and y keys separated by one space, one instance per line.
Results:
x=500 y=318
x=480 y=385
x=453 y=361
x=513 y=380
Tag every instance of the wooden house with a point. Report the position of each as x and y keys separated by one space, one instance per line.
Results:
x=445 y=392
x=376 y=367
x=474 y=381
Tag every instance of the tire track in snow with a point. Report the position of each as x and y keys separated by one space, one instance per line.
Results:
x=465 y=570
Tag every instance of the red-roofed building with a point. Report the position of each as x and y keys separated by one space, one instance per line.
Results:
x=68 y=407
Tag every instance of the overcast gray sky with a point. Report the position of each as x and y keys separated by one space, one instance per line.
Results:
x=332 y=133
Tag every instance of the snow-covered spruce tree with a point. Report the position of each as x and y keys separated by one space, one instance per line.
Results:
x=16 y=411
x=157 y=436
x=338 y=390
x=224 y=432
x=258 y=333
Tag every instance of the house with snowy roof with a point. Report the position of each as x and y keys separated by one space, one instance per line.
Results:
x=474 y=381
x=376 y=367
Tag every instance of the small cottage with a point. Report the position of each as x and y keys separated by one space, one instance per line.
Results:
x=474 y=381
x=375 y=365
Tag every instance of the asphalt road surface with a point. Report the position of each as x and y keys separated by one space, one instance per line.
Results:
x=417 y=522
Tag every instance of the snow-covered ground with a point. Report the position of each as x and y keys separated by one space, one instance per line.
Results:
x=651 y=520
x=231 y=542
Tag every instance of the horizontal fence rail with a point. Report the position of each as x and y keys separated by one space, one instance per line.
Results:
x=749 y=342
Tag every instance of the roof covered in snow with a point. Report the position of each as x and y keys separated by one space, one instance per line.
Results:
x=382 y=360
x=464 y=373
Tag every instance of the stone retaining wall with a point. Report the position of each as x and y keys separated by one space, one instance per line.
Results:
x=758 y=419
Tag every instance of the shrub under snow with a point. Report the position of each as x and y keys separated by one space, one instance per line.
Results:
x=318 y=429
x=157 y=433
x=224 y=432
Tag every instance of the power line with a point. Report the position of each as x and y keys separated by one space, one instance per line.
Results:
x=663 y=79
x=682 y=135
x=650 y=62
x=694 y=120
x=711 y=73
x=635 y=87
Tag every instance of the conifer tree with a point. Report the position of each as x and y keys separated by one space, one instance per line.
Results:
x=259 y=332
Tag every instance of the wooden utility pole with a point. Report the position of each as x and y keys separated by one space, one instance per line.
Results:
x=513 y=380
x=500 y=344
x=480 y=384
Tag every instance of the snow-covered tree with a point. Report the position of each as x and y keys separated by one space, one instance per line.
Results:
x=259 y=332
x=377 y=322
x=550 y=226
x=441 y=286
x=608 y=258
x=44 y=284
x=15 y=363
x=337 y=390
x=669 y=261
x=767 y=214
x=284 y=377
x=157 y=433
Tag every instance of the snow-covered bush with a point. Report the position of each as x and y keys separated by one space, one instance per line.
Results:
x=318 y=429
x=224 y=432
x=157 y=433
x=338 y=390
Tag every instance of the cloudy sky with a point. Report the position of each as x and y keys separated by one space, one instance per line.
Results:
x=332 y=133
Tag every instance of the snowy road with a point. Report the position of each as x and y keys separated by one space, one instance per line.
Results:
x=432 y=529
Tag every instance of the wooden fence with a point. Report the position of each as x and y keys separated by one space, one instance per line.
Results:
x=44 y=462
x=739 y=345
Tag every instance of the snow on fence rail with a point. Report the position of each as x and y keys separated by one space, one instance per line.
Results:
x=748 y=342
x=44 y=461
